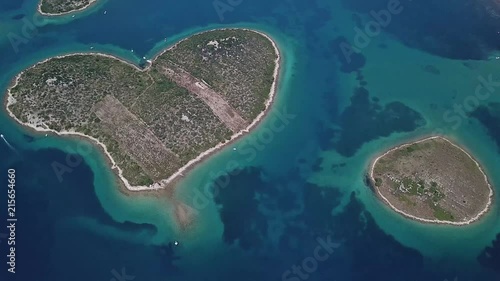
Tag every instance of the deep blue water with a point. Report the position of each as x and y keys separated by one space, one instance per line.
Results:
x=291 y=194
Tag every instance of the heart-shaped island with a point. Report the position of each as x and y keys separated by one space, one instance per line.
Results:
x=156 y=122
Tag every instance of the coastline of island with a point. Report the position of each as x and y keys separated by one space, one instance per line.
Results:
x=40 y=3
x=372 y=184
x=165 y=183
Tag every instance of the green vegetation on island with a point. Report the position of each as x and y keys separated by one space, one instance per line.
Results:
x=221 y=58
x=63 y=6
x=153 y=121
x=432 y=180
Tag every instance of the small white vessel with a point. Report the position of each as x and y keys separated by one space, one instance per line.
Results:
x=176 y=243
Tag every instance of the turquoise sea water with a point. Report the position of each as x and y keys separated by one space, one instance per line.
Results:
x=297 y=179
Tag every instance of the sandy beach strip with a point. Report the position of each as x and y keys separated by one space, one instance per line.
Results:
x=39 y=8
x=9 y=100
x=477 y=217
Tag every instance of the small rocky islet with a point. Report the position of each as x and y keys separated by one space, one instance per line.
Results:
x=432 y=180
x=59 y=7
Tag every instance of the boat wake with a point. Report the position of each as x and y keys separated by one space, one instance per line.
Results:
x=8 y=144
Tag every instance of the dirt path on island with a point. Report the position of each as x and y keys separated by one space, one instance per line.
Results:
x=136 y=139
x=220 y=107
